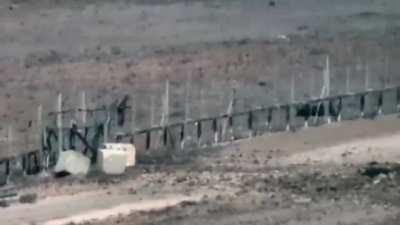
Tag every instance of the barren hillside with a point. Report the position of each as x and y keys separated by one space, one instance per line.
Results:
x=132 y=47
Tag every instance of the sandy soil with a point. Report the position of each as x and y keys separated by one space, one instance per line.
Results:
x=130 y=47
x=284 y=178
x=345 y=173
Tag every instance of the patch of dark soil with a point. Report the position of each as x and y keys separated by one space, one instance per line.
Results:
x=61 y=174
x=83 y=3
x=317 y=51
x=28 y=198
x=391 y=221
x=174 y=156
x=334 y=185
x=272 y=3
x=368 y=14
x=375 y=169
x=321 y=185
x=4 y=204
x=41 y=58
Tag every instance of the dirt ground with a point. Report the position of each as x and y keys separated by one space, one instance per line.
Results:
x=345 y=173
x=306 y=177
x=110 y=49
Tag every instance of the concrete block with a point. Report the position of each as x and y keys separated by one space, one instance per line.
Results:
x=207 y=134
x=227 y=135
x=278 y=119
x=351 y=107
x=174 y=136
x=156 y=139
x=72 y=162
x=296 y=121
x=260 y=122
x=389 y=104
x=190 y=136
x=371 y=104
x=140 y=143
x=112 y=161
x=129 y=149
x=241 y=126
x=335 y=110
x=319 y=113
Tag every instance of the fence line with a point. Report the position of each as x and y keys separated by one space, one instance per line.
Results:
x=44 y=147
x=281 y=117
x=229 y=113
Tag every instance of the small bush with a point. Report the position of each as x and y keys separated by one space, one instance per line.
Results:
x=28 y=198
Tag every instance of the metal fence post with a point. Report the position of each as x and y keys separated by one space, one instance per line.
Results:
x=398 y=99
x=165 y=114
x=10 y=139
x=339 y=113
x=107 y=125
x=366 y=79
x=187 y=112
x=59 y=125
x=327 y=84
x=362 y=105
x=148 y=140
x=215 y=130
x=40 y=135
x=152 y=109
x=199 y=132
x=228 y=121
x=348 y=80
x=380 y=103
x=289 y=112
x=133 y=118
x=250 y=123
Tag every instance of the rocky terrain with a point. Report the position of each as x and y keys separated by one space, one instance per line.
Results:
x=335 y=174
x=132 y=47
x=345 y=173
x=299 y=195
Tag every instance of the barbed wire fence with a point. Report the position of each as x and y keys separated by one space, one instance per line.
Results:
x=357 y=94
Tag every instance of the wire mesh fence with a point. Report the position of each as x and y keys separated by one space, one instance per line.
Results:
x=194 y=113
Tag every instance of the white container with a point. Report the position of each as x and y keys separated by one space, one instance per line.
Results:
x=72 y=162
x=112 y=161
x=129 y=149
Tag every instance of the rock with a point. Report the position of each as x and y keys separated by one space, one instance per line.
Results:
x=272 y=3
x=374 y=169
x=4 y=204
x=132 y=191
x=380 y=178
x=39 y=58
x=180 y=179
x=302 y=200
x=72 y=162
x=115 y=50
x=219 y=197
x=260 y=186
x=28 y=198
x=302 y=28
x=262 y=83
x=187 y=203
x=192 y=183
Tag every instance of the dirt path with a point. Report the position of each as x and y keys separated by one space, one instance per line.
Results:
x=350 y=141
x=93 y=205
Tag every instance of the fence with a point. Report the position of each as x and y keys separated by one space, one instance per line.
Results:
x=85 y=129
x=200 y=132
